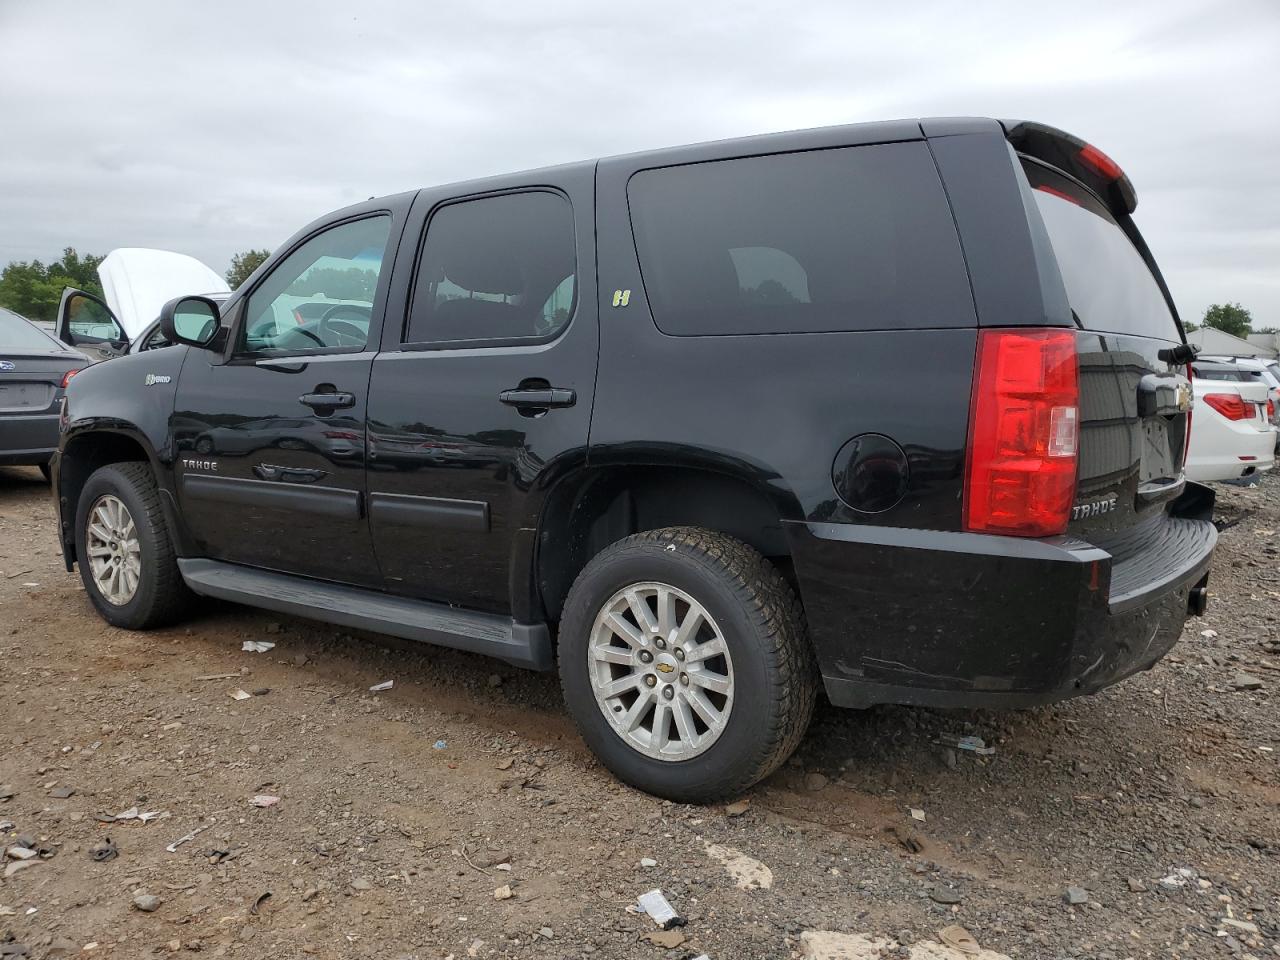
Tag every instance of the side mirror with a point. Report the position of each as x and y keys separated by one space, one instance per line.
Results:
x=190 y=320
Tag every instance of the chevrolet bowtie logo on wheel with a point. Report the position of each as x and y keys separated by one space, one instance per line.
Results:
x=665 y=668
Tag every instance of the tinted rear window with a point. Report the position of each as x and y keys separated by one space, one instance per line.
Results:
x=858 y=238
x=1109 y=285
x=17 y=333
x=1203 y=372
x=496 y=269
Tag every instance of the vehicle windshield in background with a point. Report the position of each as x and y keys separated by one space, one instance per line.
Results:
x=1109 y=285
x=18 y=334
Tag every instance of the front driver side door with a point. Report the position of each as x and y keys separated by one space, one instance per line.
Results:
x=270 y=436
x=86 y=323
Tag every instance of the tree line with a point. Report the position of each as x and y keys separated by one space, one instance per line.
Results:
x=1230 y=318
x=33 y=288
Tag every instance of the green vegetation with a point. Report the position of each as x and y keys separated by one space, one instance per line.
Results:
x=34 y=289
x=1229 y=318
x=243 y=264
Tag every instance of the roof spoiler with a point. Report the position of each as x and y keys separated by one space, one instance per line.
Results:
x=1073 y=156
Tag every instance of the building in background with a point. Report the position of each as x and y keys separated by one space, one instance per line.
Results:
x=1216 y=343
x=1268 y=342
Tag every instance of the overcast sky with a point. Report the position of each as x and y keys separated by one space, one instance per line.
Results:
x=210 y=128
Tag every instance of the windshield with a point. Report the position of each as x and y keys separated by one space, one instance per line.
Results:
x=1109 y=285
x=19 y=334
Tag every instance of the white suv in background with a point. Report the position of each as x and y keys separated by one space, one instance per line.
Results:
x=1230 y=433
x=1268 y=371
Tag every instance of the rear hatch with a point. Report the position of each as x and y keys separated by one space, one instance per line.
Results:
x=1135 y=395
x=1228 y=382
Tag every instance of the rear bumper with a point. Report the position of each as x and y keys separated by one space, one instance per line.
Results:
x=28 y=439
x=1216 y=455
x=966 y=620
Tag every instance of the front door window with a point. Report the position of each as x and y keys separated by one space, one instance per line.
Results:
x=321 y=296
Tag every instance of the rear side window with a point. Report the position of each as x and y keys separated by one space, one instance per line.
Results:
x=496 y=269
x=857 y=238
x=1110 y=287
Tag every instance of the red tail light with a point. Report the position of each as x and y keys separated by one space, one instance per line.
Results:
x=1230 y=405
x=1271 y=409
x=66 y=377
x=1023 y=433
x=1099 y=161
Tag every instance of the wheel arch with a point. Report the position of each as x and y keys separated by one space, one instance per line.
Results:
x=81 y=453
x=592 y=507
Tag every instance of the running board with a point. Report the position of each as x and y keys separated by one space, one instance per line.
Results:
x=520 y=644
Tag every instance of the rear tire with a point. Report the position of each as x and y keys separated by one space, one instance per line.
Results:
x=729 y=720
x=131 y=575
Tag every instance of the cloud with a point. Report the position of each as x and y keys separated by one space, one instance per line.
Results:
x=214 y=128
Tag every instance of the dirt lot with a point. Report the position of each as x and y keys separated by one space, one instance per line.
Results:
x=402 y=812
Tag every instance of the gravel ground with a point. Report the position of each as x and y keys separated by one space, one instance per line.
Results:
x=458 y=814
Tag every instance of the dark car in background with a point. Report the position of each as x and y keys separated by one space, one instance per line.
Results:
x=34 y=371
x=658 y=419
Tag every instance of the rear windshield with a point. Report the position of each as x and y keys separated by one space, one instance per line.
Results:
x=1109 y=285
x=18 y=334
x=856 y=238
x=1227 y=374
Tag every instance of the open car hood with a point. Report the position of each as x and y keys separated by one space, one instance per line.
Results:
x=137 y=282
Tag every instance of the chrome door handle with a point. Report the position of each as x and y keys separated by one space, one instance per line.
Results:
x=329 y=401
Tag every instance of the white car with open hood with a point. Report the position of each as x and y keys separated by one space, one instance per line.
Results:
x=136 y=283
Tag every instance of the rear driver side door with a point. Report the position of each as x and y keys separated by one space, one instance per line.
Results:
x=481 y=397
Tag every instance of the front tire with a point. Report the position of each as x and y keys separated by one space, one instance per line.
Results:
x=127 y=561
x=685 y=664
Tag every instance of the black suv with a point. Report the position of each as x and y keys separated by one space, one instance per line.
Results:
x=897 y=410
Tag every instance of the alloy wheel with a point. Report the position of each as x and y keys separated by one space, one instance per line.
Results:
x=661 y=671
x=115 y=555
